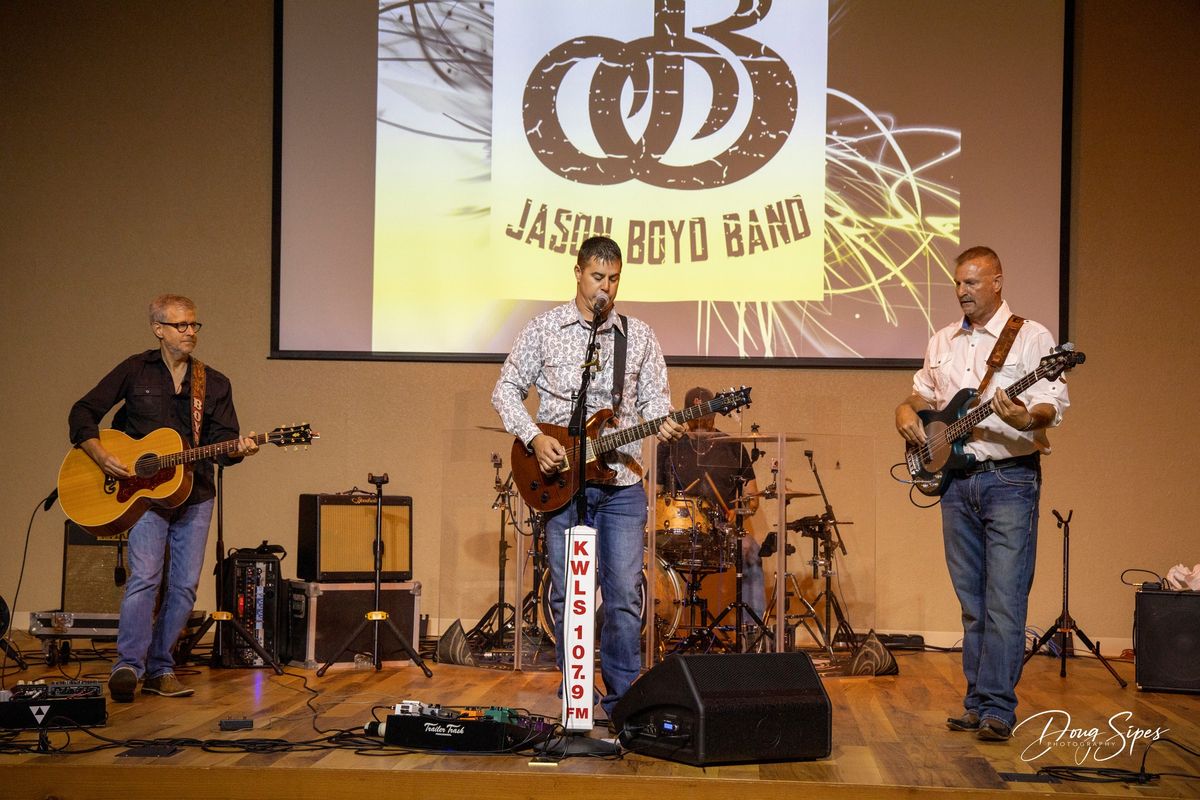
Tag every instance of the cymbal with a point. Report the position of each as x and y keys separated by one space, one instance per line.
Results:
x=770 y=493
x=762 y=437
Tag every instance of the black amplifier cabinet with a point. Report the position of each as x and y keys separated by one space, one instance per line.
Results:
x=336 y=538
x=321 y=615
x=1166 y=641
x=253 y=594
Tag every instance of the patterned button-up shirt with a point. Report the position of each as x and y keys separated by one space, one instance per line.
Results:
x=548 y=355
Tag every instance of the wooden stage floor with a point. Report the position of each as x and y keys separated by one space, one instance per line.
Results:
x=888 y=741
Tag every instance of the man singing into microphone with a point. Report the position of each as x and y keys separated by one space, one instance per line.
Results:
x=549 y=354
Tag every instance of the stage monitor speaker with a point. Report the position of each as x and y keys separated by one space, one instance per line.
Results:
x=1166 y=641
x=336 y=538
x=719 y=709
x=89 y=572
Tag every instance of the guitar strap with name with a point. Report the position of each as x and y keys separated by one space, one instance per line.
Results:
x=1004 y=343
x=198 y=387
x=620 y=346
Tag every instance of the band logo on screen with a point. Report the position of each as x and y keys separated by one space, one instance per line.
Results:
x=690 y=131
x=655 y=68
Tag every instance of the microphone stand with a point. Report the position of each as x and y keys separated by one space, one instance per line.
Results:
x=577 y=429
x=832 y=606
x=220 y=616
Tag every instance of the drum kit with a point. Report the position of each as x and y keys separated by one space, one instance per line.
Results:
x=693 y=539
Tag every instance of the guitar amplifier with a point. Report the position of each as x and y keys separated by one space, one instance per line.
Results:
x=89 y=571
x=336 y=538
x=253 y=590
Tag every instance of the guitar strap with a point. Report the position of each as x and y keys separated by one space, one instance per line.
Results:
x=198 y=387
x=1004 y=343
x=620 y=347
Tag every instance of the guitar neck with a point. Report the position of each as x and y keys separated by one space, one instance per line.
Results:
x=635 y=433
x=963 y=425
x=207 y=451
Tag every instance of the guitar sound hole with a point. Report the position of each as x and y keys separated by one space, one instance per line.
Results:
x=144 y=468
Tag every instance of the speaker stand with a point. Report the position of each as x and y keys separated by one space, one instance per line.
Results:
x=1065 y=625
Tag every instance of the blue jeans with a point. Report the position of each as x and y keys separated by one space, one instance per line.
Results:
x=143 y=643
x=618 y=513
x=753 y=588
x=989 y=527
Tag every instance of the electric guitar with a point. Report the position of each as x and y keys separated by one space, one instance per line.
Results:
x=104 y=505
x=546 y=493
x=947 y=431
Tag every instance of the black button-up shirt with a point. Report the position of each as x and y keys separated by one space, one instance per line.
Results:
x=145 y=385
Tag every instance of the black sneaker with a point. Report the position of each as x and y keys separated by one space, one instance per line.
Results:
x=967 y=722
x=121 y=684
x=993 y=730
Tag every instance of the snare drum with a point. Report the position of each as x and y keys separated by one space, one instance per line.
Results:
x=687 y=534
x=668 y=601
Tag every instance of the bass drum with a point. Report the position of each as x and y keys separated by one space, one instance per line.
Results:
x=668 y=602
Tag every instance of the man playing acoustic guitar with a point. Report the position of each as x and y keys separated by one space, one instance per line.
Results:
x=161 y=388
x=549 y=355
x=989 y=509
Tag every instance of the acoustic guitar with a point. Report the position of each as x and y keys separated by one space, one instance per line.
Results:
x=547 y=493
x=104 y=505
x=946 y=431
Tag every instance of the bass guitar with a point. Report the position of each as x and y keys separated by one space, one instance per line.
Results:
x=104 y=505
x=547 y=493
x=947 y=430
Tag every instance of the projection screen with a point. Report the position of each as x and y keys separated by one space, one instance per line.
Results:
x=789 y=181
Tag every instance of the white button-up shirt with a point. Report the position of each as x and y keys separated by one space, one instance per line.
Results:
x=957 y=359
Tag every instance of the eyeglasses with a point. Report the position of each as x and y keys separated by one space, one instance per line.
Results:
x=181 y=326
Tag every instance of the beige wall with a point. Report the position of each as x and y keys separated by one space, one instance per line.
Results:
x=135 y=141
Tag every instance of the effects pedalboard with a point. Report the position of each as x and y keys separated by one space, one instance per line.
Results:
x=479 y=730
x=62 y=704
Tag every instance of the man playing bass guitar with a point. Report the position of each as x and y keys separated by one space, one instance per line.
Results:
x=989 y=509
x=161 y=388
x=549 y=355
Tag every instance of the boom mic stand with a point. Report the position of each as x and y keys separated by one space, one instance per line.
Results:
x=831 y=539
x=220 y=616
x=1065 y=625
x=490 y=630
x=376 y=616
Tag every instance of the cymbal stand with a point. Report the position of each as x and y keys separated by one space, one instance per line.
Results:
x=1064 y=626
x=498 y=620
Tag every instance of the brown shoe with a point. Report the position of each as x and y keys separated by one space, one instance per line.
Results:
x=121 y=684
x=993 y=730
x=967 y=722
x=166 y=685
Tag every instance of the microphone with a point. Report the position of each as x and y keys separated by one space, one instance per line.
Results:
x=49 y=501
x=600 y=303
x=808 y=453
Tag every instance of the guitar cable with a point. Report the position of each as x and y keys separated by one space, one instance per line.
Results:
x=44 y=504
